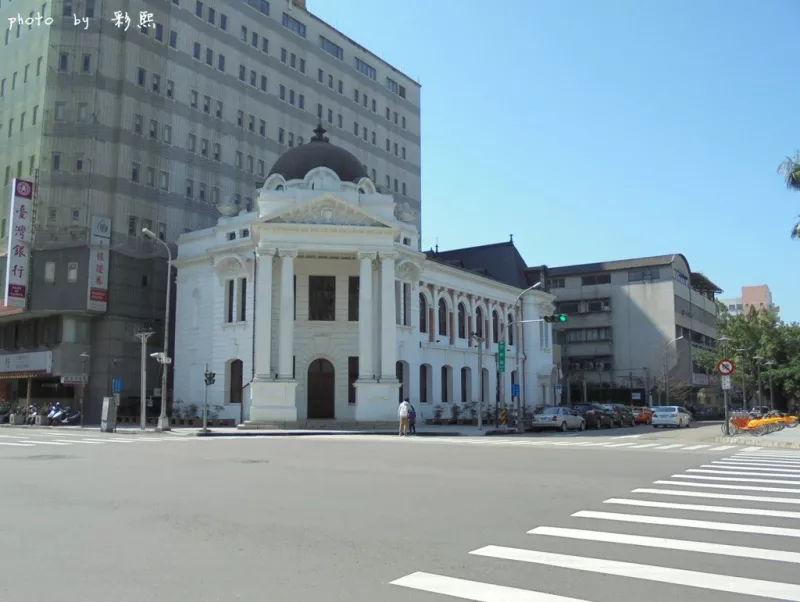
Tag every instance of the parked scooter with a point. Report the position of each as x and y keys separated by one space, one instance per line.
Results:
x=55 y=415
x=71 y=418
x=32 y=414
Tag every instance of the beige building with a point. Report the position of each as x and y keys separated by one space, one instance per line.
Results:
x=753 y=297
x=628 y=323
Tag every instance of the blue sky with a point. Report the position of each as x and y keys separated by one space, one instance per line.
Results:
x=600 y=130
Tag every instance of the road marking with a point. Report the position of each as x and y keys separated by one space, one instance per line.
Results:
x=765 y=456
x=739 y=466
x=628 y=436
x=696 y=447
x=721 y=496
x=747 y=449
x=702 y=508
x=689 y=523
x=734 y=479
x=642 y=446
x=708 y=581
x=12 y=437
x=735 y=487
x=745 y=473
x=78 y=441
x=16 y=444
x=764 y=462
x=723 y=447
x=108 y=440
x=45 y=443
x=620 y=445
x=474 y=590
x=673 y=446
x=669 y=544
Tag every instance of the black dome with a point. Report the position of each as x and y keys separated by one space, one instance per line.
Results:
x=295 y=163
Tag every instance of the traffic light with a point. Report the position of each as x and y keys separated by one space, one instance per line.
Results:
x=556 y=318
x=210 y=378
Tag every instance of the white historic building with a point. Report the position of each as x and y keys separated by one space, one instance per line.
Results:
x=319 y=306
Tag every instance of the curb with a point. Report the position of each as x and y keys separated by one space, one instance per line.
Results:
x=759 y=442
x=93 y=429
x=212 y=433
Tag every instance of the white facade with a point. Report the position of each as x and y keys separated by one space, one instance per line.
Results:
x=410 y=334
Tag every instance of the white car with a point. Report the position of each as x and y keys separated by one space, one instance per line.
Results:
x=559 y=417
x=671 y=416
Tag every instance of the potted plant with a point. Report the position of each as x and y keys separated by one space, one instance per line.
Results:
x=437 y=414
x=471 y=410
x=455 y=412
x=177 y=412
x=192 y=414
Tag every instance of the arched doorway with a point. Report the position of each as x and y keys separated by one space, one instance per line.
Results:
x=321 y=389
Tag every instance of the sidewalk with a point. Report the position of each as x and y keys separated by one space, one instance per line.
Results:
x=444 y=430
x=787 y=439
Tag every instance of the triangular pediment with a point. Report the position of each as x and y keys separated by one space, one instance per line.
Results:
x=328 y=211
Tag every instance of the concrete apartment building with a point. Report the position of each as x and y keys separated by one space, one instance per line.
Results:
x=758 y=297
x=151 y=127
x=623 y=319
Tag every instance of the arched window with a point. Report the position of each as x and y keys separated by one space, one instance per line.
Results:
x=442 y=317
x=423 y=313
x=235 y=381
x=495 y=327
x=479 y=322
x=462 y=321
x=510 y=324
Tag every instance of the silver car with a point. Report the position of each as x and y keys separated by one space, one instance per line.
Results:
x=559 y=417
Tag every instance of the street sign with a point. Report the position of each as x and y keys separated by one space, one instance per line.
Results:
x=726 y=383
x=558 y=389
x=117 y=385
x=726 y=367
x=501 y=356
x=74 y=379
x=515 y=390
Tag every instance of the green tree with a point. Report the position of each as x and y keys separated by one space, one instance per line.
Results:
x=758 y=333
x=790 y=170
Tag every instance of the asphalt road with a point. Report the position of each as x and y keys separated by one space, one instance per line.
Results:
x=373 y=519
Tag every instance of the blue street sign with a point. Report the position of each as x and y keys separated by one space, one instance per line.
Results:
x=117 y=382
x=515 y=390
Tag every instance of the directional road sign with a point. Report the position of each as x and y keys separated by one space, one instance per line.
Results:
x=515 y=390
x=726 y=383
x=117 y=385
x=501 y=356
x=726 y=367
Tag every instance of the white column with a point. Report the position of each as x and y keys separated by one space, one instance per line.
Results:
x=529 y=379
x=286 y=327
x=388 y=326
x=263 y=313
x=366 y=323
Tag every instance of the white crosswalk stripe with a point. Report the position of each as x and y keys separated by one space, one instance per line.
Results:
x=56 y=438
x=586 y=548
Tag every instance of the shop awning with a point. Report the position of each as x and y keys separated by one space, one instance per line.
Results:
x=16 y=375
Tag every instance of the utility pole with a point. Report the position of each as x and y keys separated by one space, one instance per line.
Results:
x=480 y=341
x=210 y=378
x=758 y=360
x=769 y=364
x=85 y=380
x=143 y=336
x=724 y=340
x=741 y=351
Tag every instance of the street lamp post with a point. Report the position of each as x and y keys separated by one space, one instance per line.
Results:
x=517 y=323
x=724 y=340
x=769 y=364
x=758 y=359
x=143 y=337
x=163 y=421
x=84 y=381
x=666 y=354
x=741 y=351
x=480 y=340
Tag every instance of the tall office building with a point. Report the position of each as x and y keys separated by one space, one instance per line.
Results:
x=129 y=115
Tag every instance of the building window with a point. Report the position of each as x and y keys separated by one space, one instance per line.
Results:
x=595 y=279
x=555 y=283
x=236 y=382
x=495 y=327
x=479 y=322
x=646 y=275
x=230 y=306
x=331 y=48
x=510 y=326
x=366 y=69
x=294 y=25
x=423 y=313
x=242 y=299
x=462 y=321
x=446 y=385
x=322 y=298
x=352 y=298
x=352 y=377
x=442 y=318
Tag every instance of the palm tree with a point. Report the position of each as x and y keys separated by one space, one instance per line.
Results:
x=790 y=170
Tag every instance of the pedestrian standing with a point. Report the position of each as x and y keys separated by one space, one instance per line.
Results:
x=412 y=419
x=402 y=414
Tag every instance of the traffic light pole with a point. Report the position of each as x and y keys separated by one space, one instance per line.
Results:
x=209 y=378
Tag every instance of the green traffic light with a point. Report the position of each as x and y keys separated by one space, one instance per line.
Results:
x=562 y=317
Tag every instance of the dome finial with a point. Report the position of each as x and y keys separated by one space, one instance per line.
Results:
x=319 y=134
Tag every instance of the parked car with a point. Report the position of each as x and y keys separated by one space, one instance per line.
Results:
x=622 y=414
x=642 y=414
x=595 y=415
x=559 y=417
x=675 y=416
